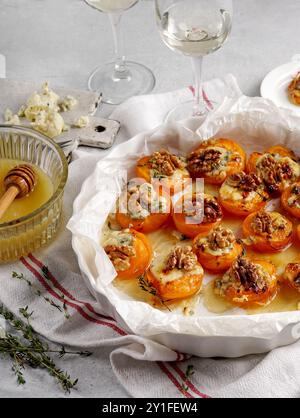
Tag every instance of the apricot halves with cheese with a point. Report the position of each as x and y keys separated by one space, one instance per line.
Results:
x=143 y=208
x=278 y=167
x=218 y=250
x=248 y=283
x=242 y=194
x=290 y=200
x=216 y=159
x=165 y=167
x=267 y=231
x=196 y=214
x=130 y=252
x=176 y=274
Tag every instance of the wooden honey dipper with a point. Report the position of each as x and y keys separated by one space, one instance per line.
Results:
x=19 y=182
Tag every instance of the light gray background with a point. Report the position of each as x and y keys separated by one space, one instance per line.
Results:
x=63 y=40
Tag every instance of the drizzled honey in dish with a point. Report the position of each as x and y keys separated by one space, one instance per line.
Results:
x=42 y=192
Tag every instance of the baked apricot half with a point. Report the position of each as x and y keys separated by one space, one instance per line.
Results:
x=165 y=167
x=248 y=284
x=130 y=252
x=291 y=276
x=143 y=208
x=278 y=167
x=242 y=194
x=218 y=251
x=216 y=159
x=196 y=214
x=267 y=231
x=290 y=200
x=176 y=273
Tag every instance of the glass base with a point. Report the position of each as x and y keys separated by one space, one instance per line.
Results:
x=116 y=87
x=186 y=111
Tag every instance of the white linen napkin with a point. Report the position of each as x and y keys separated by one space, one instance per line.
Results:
x=143 y=367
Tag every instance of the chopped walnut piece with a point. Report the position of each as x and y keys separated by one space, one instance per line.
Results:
x=249 y=276
x=265 y=223
x=212 y=211
x=140 y=196
x=220 y=238
x=165 y=163
x=182 y=258
x=120 y=256
x=274 y=172
x=204 y=161
x=245 y=182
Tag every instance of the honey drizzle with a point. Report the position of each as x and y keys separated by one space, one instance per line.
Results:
x=28 y=204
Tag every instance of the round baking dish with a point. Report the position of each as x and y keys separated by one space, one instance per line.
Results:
x=29 y=233
x=256 y=124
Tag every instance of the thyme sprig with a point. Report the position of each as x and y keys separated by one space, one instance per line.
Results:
x=146 y=286
x=190 y=371
x=27 y=349
x=36 y=291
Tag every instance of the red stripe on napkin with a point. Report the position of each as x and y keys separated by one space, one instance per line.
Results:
x=173 y=379
x=72 y=305
x=56 y=284
x=188 y=383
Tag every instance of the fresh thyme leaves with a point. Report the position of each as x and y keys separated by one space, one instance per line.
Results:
x=27 y=349
x=46 y=274
x=190 y=371
x=147 y=287
x=36 y=291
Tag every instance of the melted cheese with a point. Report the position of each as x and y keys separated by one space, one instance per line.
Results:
x=175 y=178
x=159 y=263
x=232 y=193
x=117 y=238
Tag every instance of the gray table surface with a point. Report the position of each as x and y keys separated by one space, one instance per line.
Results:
x=63 y=40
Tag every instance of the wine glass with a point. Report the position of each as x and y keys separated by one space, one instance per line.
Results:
x=195 y=28
x=121 y=79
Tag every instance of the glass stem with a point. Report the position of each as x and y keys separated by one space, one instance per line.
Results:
x=199 y=106
x=121 y=71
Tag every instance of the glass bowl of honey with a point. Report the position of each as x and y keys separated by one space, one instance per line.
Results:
x=31 y=221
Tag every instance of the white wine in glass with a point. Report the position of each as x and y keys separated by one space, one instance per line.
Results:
x=121 y=79
x=194 y=28
x=109 y=6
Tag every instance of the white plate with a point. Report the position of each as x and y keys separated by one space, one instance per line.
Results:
x=274 y=86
